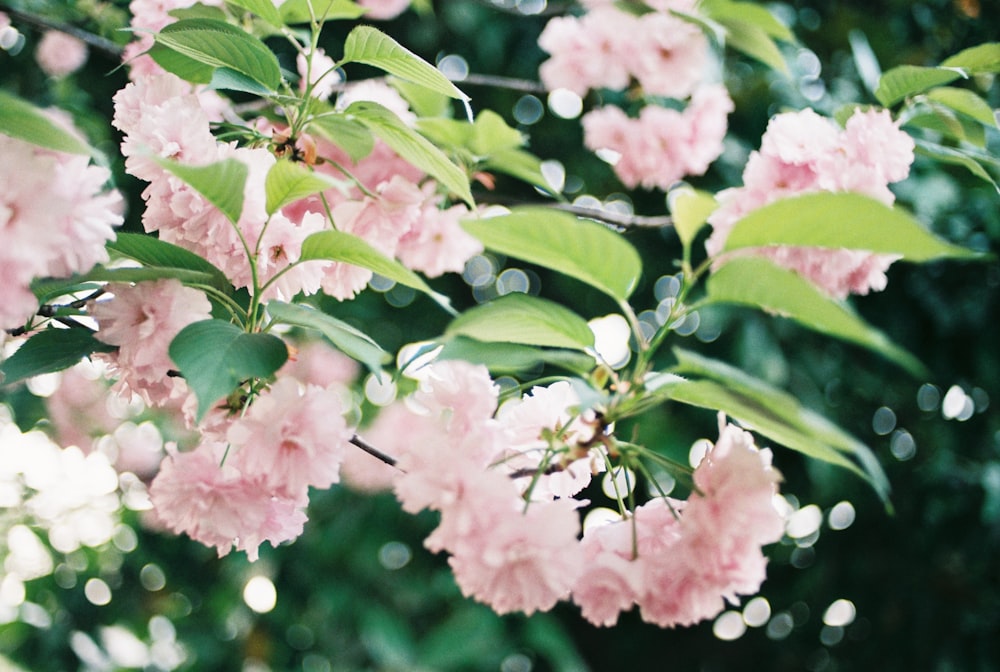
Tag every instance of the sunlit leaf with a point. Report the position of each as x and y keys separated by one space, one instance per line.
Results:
x=908 y=80
x=982 y=58
x=288 y=181
x=297 y=11
x=750 y=13
x=690 y=209
x=513 y=358
x=223 y=45
x=49 y=351
x=957 y=157
x=579 y=248
x=22 y=120
x=265 y=9
x=215 y=357
x=352 y=342
x=754 y=42
x=964 y=102
x=221 y=183
x=529 y=320
x=349 y=249
x=520 y=164
x=411 y=146
x=840 y=220
x=351 y=136
x=372 y=47
x=759 y=283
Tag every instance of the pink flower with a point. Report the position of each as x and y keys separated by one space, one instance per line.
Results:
x=803 y=152
x=436 y=243
x=55 y=219
x=318 y=71
x=59 y=54
x=196 y=494
x=78 y=409
x=384 y=9
x=588 y=52
x=318 y=363
x=142 y=320
x=611 y=581
x=521 y=561
x=668 y=56
x=292 y=437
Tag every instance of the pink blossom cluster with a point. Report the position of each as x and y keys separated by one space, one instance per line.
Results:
x=662 y=145
x=249 y=481
x=142 y=320
x=55 y=218
x=504 y=483
x=384 y=9
x=607 y=47
x=803 y=152
x=394 y=208
x=59 y=54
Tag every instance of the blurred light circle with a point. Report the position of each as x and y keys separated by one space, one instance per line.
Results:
x=454 y=67
x=757 y=612
x=902 y=446
x=841 y=516
x=528 y=110
x=884 y=421
x=780 y=626
x=599 y=516
x=804 y=522
x=698 y=451
x=566 y=104
x=622 y=479
x=394 y=555
x=380 y=392
x=928 y=397
x=97 y=592
x=260 y=594
x=729 y=626
x=839 y=613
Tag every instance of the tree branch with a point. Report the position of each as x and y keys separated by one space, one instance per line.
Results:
x=371 y=450
x=96 y=42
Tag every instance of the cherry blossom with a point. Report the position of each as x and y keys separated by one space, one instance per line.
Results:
x=59 y=54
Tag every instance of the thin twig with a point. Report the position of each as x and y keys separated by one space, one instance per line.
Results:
x=497 y=81
x=618 y=219
x=94 y=41
x=371 y=450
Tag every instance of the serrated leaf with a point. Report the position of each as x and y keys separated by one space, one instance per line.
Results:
x=759 y=283
x=221 y=183
x=579 y=248
x=49 y=351
x=22 y=120
x=983 y=58
x=230 y=80
x=352 y=342
x=215 y=357
x=690 y=209
x=222 y=45
x=955 y=157
x=491 y=134
x=423 y=101
x=153 y=252
x=265 y=9
x=841 y=220
x=754 y=42
x=349 y=249
x=449 y=132
x=412 y=146
x=297 y=11
x=372 y=47
x=908 y=80
x=529 y=320
x=964 y=102
x=513 y=358
x=288 y=182
x=817 y=432
x=351 y=136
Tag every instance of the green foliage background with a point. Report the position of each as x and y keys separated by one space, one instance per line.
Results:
x=925 y=580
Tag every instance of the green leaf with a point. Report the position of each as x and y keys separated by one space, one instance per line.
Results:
x=352 y=342
x=448 y=132
x=690 y=209
x=423 y=101
x=908 y=80
x=759 y=283
x=22 y=120
x=221 y=45
x=101 y=274
x=520 y=164
x=288 y=182
x=183 y=66
x=265 y=9
x=981 y=59
x=412 y=146
x=513 y=358
x=529 y=320
x=491 y=134
x=49 y=351
x=964 y=102
x=155 y=253
x=372 y=47
x=351 y=136
x=230 y=80
x=754 y=42
x=816 y=435
x=841 y=220
x=749 y=13
x=579 y=248
x=349 y=249
x=955 y=157
x=215 y=357
x=221 y=183
x=297 y=11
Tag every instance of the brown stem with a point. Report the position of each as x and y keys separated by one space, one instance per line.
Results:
x=97 y=42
